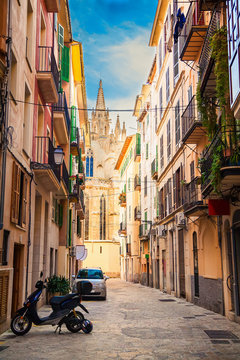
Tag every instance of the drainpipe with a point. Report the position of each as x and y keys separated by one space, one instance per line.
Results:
x=6 y=112
x=219 y=224
x=29 y=234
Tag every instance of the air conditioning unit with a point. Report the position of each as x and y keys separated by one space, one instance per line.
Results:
x=162 y=231
x=73 y=251
x=180 y=220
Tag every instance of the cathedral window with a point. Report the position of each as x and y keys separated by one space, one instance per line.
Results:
x=102 y=218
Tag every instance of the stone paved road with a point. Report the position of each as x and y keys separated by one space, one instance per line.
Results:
x=132 y=324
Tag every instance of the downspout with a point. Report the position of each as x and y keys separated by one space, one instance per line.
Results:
x=29 y=234
x=5 y=119
x=219 y=224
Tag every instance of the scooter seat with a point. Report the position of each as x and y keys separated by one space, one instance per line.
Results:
x=57 y=300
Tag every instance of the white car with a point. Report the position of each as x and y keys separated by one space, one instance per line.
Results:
x=97 y=279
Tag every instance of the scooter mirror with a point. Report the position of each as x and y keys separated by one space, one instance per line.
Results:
x=41 y=274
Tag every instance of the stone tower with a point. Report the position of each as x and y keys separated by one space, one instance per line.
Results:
x=100 y=117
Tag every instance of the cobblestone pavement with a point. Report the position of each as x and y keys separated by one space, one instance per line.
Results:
x=132 y=324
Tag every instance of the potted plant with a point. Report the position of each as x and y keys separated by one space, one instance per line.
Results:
x=57 y=285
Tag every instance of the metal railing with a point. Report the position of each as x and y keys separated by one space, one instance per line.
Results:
x=143 y=230
x=81 y=198
x=128 y=249
x=226 y=144
x=63 y=107
x=44 y=157
x=65 y=176
x=189 y=116
x=46 y=62
x=193 y=193
x=194 y=17
x=137 y=181
x=206 y=52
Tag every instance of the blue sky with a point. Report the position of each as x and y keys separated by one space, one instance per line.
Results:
x=115 y=36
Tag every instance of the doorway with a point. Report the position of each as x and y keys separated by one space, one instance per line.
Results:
x=164 y=273
x=157 y=274
x=236 y=257
x=17 y=274
x=181 y=263
x=148 y=272
x=229 y=275
x=195 y=265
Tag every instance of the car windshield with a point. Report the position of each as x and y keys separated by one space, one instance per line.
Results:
x=90 y=274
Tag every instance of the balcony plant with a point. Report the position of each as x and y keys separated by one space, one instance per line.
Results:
x=122 y=198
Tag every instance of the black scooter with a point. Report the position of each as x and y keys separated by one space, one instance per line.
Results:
x=63 y=311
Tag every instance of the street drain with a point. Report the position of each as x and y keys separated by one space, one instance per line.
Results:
x=3 y=348
x=220 y=342
x=220 y=334
x=167 y=300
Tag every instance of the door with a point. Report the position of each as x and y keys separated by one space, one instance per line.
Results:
x=157 y=274
x=229 y=275
x=195 y=265
x=147 y=272
x=17 y=284
x=236 y=257
x=164 y=273
x=181 y=263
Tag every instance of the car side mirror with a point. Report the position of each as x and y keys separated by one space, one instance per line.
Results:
x=106 y=278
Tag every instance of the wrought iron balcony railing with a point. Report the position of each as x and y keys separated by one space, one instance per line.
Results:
x=137 y=213
x=137 y=182
x=191 y=123
x=47 y=63
x=65 y=175
x=154 y=169
x=62 y=106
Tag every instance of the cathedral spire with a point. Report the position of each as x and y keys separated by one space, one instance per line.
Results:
x=100 y=105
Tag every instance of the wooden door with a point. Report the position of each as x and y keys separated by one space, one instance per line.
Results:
x=16 y=277
x=181 y=263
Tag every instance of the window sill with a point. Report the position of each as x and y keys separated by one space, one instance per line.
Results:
x=21 y=228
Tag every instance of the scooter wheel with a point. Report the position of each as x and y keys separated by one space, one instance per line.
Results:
x=74 y=324
x=20 y=325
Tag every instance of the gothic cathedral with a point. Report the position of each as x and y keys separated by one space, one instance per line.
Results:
x=102 y=191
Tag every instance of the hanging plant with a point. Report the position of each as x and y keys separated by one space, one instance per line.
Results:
x=215 y=175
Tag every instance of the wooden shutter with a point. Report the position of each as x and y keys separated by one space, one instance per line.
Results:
x=24 y=201
x=174 y=191
x=4 y=282
x=170 y=195
x=65 y=64
x=60 y=213
x=15 y=193
x=182 y=187
x=60 y=35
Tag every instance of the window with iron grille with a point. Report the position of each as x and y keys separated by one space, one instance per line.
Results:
x=145 y=185
x=175 y=63
x=177 y=122
x=19 y=196
x=167 y=86
x=161 y=152
x=169 y=138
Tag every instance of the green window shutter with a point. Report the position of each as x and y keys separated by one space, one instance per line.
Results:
x=80 y=167
x=145 y=217
x=124 y=188
x=60 y=35
x=73 y=124
x=56 y=211
x=70 y=173
x=129 y=186
x=70 y=228
x=65 y=64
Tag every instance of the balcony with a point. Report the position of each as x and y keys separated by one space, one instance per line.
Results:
x=80 y=206
x=192 y=34
x=144 y=232
x=223 y=152
x=208 y=5
x=137 y=214
x=194 y=204
x=137 y=183
x=123 y=229
x=52 y=6
x=122 y=199
x=75 y=141
x=192 y=131
x=206 y=62
x=46 y=171
x=47 y=74
x=76 y=196
x=65 y=177
x=137 y=153
x=128 y=249
x=61 y=119
x=82 y=143
x=154 y=169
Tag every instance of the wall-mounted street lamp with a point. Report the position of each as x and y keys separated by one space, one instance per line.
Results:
x=58 y=155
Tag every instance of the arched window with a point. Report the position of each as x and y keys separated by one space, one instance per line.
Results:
x=87 y=167
x=102 y=218
x=91 y=166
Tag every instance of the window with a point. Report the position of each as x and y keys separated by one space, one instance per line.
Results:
x=175 y=63
x=102 y=218
x=100 y=249
x=145 y=218
x=19 y=196
x=160 y=104
x=165 y=36
x=177 y=122
x=79 y=226
x=155 y=115
x=161 y=153
x=129 y=184
x=145 y=186
x=27 y=125
x=167 y=86
x=169 y=196
x=14 y=80
x=160 y=54
x=146 y=151
x=169 y=138
x=60 y=35
x=29 y=37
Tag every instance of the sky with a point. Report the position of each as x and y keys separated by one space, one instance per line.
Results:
x=115 y=36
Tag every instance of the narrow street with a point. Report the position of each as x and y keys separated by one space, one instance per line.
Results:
x=134 y=323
